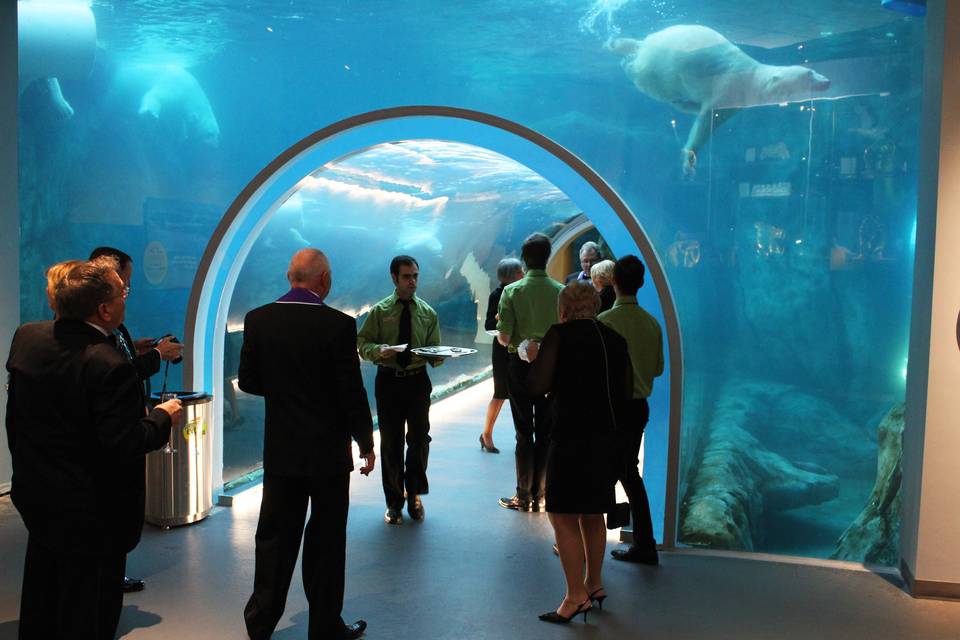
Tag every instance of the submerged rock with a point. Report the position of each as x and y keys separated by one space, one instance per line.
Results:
x=874 y=537
x=738 y=477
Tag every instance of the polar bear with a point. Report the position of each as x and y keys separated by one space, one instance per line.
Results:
x=172 y=98
x=697 y=70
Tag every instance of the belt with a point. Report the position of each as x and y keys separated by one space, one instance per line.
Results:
x=400 y=373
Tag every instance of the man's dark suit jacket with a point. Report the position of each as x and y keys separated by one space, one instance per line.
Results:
x=302 y=358
x=75 y=423
x=147 y=363
x=574 y=276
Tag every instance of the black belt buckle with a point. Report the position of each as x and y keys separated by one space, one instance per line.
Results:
x=402 y=373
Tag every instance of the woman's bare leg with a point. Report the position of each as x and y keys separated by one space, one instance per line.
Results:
x=493 y=410
x=594 y=533
x=570 y=543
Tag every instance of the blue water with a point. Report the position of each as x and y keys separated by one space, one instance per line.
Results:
x=788 y=253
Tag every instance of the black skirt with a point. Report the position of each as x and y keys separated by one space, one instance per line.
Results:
x=500 y=358
x=581 y=476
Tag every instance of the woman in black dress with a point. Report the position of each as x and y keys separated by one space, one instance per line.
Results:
x=508 y=271
x=584 y=366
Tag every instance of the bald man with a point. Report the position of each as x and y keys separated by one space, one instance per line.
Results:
x=301 y=356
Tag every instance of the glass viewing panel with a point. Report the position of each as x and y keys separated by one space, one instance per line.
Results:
x=782 y=208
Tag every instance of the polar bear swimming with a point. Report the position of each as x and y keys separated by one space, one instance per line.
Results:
x=171 y=97
x=697 y=70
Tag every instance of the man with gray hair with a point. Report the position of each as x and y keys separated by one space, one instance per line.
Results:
x=301 y=356
x=75 y=423
x=589 y=256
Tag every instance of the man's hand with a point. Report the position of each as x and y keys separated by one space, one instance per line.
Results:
x=143 y=345
x=386 y=352
x=503 y=338
x=533 y=348
x=169 y=350
x=172 y=408
x=370 y=461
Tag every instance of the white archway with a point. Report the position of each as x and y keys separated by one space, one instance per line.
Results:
x=242 y=223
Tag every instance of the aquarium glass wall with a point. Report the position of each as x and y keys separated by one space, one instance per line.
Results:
x=768 y=149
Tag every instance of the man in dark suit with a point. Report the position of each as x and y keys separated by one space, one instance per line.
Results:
x=589 y=256
x=75 y=421
x=301 y=356
x=146 y=355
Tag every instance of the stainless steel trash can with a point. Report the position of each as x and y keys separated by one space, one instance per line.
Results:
x=179 y=475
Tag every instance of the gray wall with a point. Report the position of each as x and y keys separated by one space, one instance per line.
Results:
x=9 y=213
x=929 y=535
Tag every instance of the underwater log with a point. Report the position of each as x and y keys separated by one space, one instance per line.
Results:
x=737 y=479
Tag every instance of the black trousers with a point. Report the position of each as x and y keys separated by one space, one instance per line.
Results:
x=70 y=597
x=282 y=514
x=629 y=440
x=403 y=407
x=533 y=422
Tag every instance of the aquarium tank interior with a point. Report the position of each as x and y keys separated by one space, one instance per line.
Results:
x=767 y=150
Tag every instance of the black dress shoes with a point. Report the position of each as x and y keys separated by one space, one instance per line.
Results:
x=635 y=554
x=393 y=516
x=415 y=508
x=354 y=630
x=515 y=503
x=131 y=585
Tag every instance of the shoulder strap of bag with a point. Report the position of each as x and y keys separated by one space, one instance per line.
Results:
x=606 y=373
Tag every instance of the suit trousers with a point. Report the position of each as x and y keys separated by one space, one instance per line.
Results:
x=630 y=439
x=533 y=422
x=70 y=596
x=282 y=514
x=403 y=402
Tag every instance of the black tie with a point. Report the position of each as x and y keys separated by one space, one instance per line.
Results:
x=406 y=335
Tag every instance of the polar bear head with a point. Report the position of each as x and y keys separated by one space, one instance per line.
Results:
x=784 y=84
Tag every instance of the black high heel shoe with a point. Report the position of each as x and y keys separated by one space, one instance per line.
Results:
x=598 y=599
x=556 y=618
x=484 y=447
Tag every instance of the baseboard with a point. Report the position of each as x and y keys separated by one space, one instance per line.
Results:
x=929 y=589
x=4 y=488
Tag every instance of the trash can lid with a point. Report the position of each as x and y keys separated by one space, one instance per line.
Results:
x=186 y=397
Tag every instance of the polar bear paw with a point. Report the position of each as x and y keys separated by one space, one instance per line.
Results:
x=689 y=162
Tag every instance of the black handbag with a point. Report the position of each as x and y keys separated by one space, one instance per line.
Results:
x=619 y=516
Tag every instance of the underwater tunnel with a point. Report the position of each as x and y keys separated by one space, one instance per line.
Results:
x=210 y=312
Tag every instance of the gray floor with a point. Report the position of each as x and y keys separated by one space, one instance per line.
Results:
x=474 y=570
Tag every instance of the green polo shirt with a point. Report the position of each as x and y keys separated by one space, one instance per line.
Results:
x=644 y=341
x=528 y=307
x=382 y=327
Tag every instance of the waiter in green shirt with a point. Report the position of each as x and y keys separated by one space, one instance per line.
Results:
x=528 y=308
x=645 y=345
x=402 y=387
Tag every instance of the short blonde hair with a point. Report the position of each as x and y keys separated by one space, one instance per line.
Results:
x=578 y=301
x=602 y=272
x=55 y=275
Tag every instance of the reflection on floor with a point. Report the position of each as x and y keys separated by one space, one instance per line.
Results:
x=475 y=570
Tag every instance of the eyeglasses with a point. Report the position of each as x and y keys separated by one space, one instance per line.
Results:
x=123 y=294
